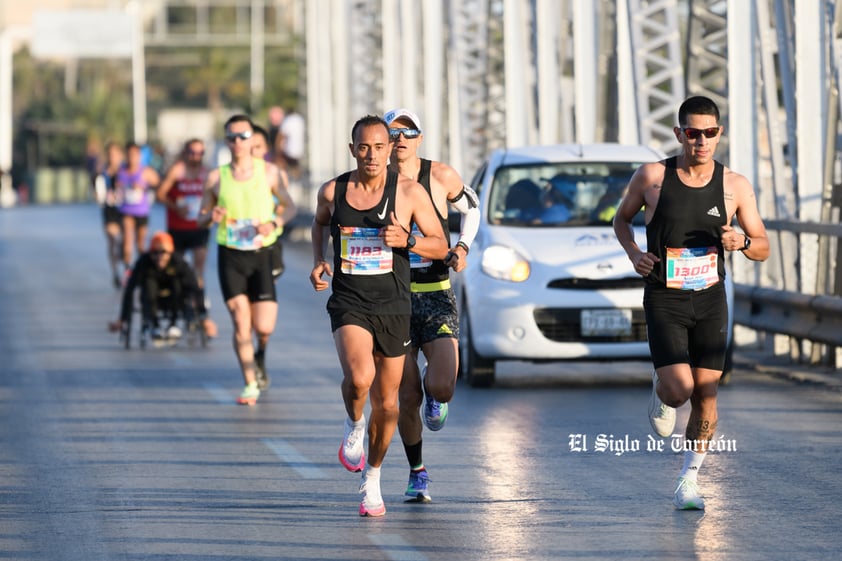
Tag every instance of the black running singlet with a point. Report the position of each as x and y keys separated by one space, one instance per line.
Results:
x=429 y=270
x=685 y=232
x=368 y=276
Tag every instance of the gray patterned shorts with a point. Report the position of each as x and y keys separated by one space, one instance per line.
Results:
x=434 y=315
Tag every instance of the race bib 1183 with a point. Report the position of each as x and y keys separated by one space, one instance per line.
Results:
x=363 y=252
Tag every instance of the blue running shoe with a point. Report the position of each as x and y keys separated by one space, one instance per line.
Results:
x=435 y=412
x=418 y=488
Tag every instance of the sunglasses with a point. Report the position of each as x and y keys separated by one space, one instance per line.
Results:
x=693 y=134
x=158 y=252
x=409 y=134
x=196 y=152
x=233 y=136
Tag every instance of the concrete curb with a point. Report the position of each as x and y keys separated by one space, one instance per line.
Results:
x=782 y=367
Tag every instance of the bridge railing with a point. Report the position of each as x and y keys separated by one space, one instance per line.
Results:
x=813 y=322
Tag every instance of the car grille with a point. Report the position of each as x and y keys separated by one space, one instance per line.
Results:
x=597 y=284
x=563 y=326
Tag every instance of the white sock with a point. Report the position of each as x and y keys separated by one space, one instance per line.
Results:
x=371 y=472
x=356 y=424
x=692 y=464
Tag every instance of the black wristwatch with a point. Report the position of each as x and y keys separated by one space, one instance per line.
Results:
x=410 y=241
x=746 y=243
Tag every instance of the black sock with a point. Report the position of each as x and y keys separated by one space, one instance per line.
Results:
x=413 y=454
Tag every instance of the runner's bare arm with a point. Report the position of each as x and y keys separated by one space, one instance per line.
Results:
x=210 y=213
x=151 y=177
x=748 y=217
x=285 y=210
x=175 y=173
x=320 y=235
x=634 y=199
x=413 y=205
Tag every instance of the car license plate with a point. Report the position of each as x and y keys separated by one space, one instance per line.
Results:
x=605 y=323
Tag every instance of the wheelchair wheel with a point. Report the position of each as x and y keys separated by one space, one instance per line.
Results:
x=196 y=331
x=144 y=336
x=126 y=335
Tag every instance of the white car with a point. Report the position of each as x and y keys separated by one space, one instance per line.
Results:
x=546 y=279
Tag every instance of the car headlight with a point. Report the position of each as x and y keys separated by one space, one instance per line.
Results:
x=505 y=263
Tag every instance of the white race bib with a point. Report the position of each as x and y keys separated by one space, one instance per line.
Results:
x=363 y=252
x=415 y=260
x=243 y=234
x=192 y=204
x=692 y=268
x=134 y=196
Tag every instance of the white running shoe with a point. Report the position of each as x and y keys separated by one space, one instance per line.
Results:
x=661 y=416
x=174 y=332
x=372 y=503
x=687 y=496
x=352 y=449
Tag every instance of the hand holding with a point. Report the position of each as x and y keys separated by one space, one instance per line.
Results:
x=394 y=234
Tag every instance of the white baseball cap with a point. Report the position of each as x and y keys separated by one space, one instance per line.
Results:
x=395 y=114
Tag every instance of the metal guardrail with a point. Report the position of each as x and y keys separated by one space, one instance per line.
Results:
x=811 y=317
x=795 y=227
x=804 y=316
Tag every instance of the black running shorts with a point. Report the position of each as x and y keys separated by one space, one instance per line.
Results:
x=112 y=215
x=686 y=326
x=246 y=272
x=185 y=240
x=390 y=332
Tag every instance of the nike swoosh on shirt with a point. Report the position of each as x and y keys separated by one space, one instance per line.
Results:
x=382 y=215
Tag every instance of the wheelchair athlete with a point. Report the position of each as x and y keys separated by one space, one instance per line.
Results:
x=167 y=284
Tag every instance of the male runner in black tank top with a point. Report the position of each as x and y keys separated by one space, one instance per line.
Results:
x=368 y=212
x=689 y=201
x=435 y=322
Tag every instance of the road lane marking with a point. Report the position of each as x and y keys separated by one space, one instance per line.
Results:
x=220 y=394
x=396 y=548
x=294 y=459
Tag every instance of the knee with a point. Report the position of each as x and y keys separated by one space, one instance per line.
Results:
x=242 y=336
x=357 y=386
x=388 y=407
x=440 y=388
x=675 y=392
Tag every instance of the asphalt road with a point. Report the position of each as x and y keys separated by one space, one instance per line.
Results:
x=113 y=454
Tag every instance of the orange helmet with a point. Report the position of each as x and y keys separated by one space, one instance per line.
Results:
x=162 y=241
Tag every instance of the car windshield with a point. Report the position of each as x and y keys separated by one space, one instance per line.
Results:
x=558 y=195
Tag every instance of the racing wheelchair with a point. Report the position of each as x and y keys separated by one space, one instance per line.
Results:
x=175 y=320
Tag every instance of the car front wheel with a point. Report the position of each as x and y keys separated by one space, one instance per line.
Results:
x=478 y=371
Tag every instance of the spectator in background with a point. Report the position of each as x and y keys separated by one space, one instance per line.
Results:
x=290 y=144
x=276 y=117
